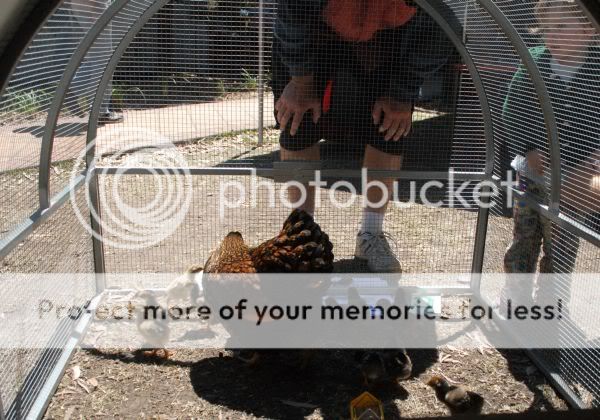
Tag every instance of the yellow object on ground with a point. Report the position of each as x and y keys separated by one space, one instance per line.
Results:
x=366 y=407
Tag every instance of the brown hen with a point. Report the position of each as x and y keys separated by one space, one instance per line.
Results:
x=232 y=256
x=300 y=247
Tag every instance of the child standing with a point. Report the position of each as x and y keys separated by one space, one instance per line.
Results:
x=569 y=61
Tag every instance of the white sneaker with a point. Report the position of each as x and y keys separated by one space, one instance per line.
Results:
x=375 y=249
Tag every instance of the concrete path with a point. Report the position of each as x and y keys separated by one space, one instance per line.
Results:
x=20 y=143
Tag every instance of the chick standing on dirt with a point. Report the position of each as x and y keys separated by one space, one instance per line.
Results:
x=372 y=368
x=382 y=366
x=354 y=298
x=152 y=324
x=456 y=397
x=398 y=364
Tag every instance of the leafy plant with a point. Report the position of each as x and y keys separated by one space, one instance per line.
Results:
x=121 y=94
x=25 y=102
x=250 y=82
x=221 y=91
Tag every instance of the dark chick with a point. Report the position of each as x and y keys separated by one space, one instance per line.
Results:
x=372 y=368
x=456 y=397
x=385 y=366
x=398 y=364
x=300 y=247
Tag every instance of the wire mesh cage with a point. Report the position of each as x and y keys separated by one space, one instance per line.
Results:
x=112 y=103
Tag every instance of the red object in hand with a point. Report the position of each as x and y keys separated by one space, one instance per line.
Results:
x=358 y=20
x=327 y=96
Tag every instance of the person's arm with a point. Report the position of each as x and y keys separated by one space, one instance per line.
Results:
x=426 y=49
x=516 y=106
x=295 y=22
x=581 y=186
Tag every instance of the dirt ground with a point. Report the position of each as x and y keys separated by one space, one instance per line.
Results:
x=212 y=384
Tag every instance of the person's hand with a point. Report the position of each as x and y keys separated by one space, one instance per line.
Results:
x=581 y=188
x=535 y=161
x=397 y=118
x=297 y=98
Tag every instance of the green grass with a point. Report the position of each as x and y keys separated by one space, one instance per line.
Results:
x=25 y=102
x=249 y=81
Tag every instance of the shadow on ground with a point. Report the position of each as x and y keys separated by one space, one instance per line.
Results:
x=279 y=388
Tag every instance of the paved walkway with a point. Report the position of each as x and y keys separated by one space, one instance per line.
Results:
x=20 y=143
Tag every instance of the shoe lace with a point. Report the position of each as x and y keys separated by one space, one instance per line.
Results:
x=380 y=244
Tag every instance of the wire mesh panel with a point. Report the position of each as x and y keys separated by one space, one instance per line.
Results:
x=69 y=139
x=23 y=110
x=61 y=245
x=192 y=73
x=563 y=48
x=240 y=87
x=219 y=204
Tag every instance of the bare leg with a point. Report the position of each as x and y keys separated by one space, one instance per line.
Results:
x=376 y=159
x=371 y=244
x=294 y=194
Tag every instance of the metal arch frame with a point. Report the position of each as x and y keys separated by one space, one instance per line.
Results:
x=108 y=73
x=23 y=37
x=543 y=95
x=553 y=210
x=592 y=9
x=432 y=8
x=97 y=245
x=261 y=72
x=57 y=102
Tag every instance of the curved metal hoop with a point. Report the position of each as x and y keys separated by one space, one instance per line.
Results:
x=63 y=85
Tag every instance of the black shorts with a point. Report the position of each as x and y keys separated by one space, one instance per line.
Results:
x=353 y=92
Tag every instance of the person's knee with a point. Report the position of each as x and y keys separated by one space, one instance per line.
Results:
x=375 y=158
x=306 y=138
x=306 y=153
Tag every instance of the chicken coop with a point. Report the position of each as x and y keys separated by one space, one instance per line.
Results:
x=135 y=134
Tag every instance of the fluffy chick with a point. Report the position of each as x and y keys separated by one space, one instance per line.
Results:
x=456 y=397
x=152 y=323
x=185 y=286
x=372 y=368
x=381 y=366
x=354 y=298
x=398 y=364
